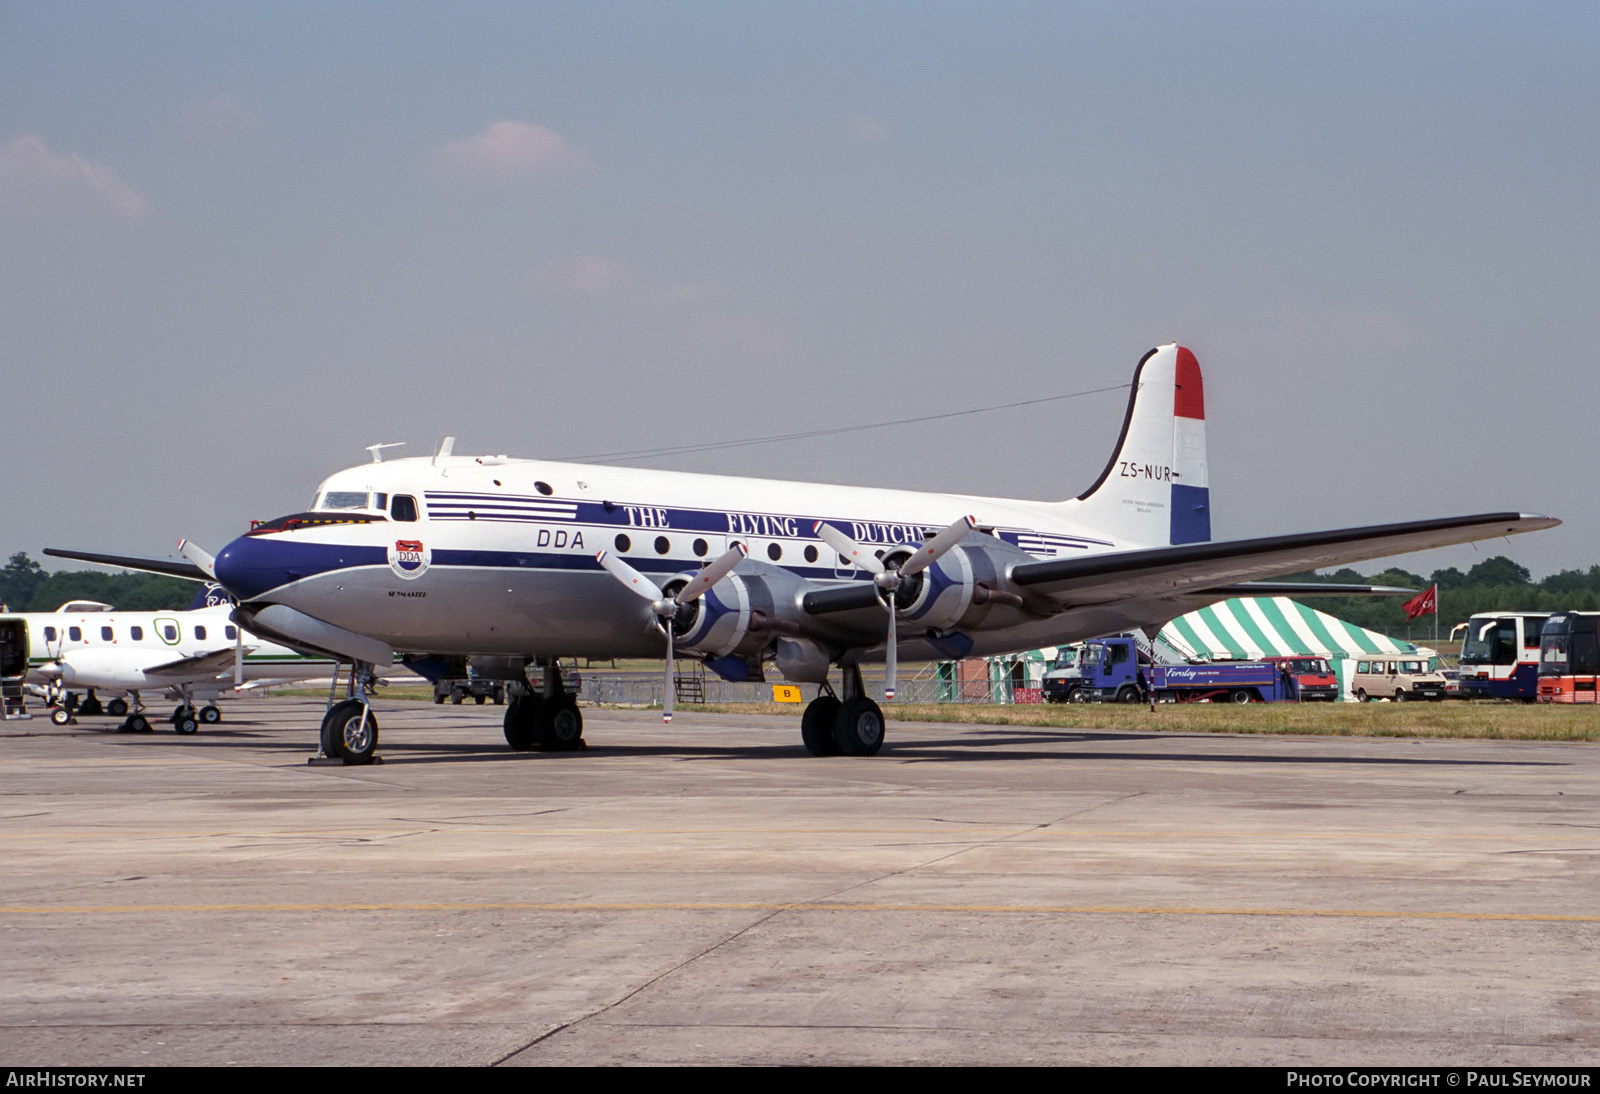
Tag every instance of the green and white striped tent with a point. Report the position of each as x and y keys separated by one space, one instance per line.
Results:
x=1247 y=628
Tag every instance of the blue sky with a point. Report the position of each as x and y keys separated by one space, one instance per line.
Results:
x=239 y=243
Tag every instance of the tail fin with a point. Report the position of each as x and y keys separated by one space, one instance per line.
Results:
x=1154 y=491
x=210 y=595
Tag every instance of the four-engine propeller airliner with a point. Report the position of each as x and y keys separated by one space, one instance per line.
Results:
x=516 y=563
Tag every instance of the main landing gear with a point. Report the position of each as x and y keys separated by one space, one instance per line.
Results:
x=349 y=728
x=547 y=717
x=852 y=726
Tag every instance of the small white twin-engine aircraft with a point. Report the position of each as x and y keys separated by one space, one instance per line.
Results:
x=192 y=656
x=516 y=563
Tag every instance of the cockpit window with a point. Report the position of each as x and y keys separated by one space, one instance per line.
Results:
x=343 y=499
x=404 y=507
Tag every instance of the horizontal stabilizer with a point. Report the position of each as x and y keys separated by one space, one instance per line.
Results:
x=1301 y=589
x=170 y=567
x=1196 y=567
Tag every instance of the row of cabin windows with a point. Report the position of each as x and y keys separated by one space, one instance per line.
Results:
x=136 y=634
x=701 y=548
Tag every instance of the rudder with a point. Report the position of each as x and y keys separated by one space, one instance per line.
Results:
x=1154 y=489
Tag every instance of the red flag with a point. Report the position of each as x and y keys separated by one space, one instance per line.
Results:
x=1424 y=603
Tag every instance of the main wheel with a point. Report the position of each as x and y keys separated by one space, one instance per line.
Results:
x=519 y=722
x=186 y=724
x=559 y=724
x=117 y=708
x=858 y=727
x=347 y=735
x=91 y=708
x=61 y=716
x=210 y=714
x=816 y=725
x=136 y=723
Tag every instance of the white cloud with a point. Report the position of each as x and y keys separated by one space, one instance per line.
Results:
x=511 y=152
x=38 y=182
x=218 y=116
x=586 y=275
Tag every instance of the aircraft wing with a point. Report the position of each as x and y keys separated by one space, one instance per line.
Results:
x=1205 y=568
x=167 y=566
x=205 y=665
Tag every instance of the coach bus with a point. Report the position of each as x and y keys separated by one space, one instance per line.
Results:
x=1569 y=658
x=1500 y=656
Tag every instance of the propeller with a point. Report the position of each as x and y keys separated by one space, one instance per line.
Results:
x=888 y=579
x=666 y=607
x=206 y=562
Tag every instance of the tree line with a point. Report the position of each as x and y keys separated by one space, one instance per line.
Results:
x=26 y=587
x=1494 y=585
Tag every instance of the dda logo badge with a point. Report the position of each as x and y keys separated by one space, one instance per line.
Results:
x=409 y=558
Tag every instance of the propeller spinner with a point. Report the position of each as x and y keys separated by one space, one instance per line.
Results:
x=890 y=578
x=666 y=607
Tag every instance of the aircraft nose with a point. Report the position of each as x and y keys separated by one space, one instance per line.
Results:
x=248 y=567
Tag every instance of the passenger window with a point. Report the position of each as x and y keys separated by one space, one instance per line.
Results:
x=403 y=508
x=49 y=634
x=107 y=635
x=136 y=633
x=199 y=632
x=231 y=631
x=170 y=633
x=75 y=633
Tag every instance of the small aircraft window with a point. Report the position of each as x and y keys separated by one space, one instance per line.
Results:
x=200 y=632
x=811 y=553
x=701 y=547
x=75 y=633
x=663 y=545
x=343 y=499
x=543 y=488
x=107 y=635
x=136 y=633
x=49 y=634
x=231 y=631
x=169 y=632
x=623 y=543
x=774 y=551
x=404 y=507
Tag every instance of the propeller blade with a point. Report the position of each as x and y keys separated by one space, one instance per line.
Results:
x=891 y=654
x=702 y=581
x=931 y=549
x=630 y=577
x=206 y=562
x=848 y=548
x=671 y=686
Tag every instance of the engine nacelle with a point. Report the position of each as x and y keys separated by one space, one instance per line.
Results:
x=741 y=614
x=964 y=590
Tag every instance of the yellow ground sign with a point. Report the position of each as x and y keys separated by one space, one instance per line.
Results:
x=786 y=693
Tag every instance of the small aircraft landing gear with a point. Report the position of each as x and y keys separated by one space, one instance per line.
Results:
x=852 y=726
x=349 y=728
x=90 y=707
x=548 y=718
